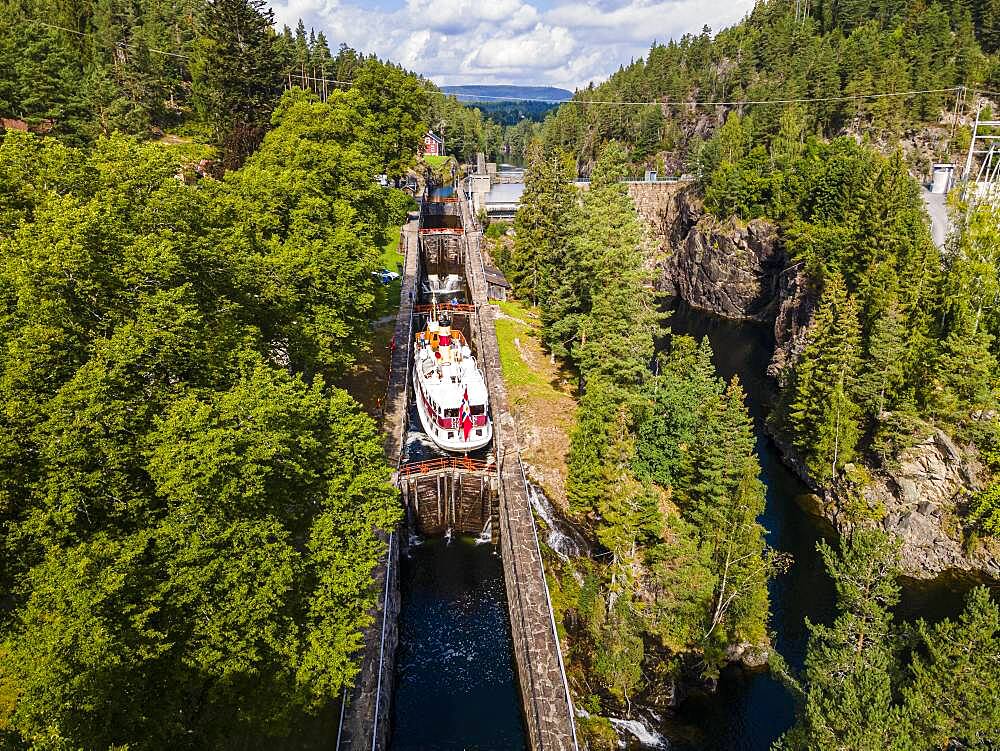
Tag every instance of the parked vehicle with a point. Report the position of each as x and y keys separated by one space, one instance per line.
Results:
x=385 y=276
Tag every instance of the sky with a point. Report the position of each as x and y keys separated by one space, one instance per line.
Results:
x=539 y=42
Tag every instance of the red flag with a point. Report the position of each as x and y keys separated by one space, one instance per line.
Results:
x=465 y=418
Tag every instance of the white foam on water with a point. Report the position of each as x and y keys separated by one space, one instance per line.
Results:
x=486 y=536
x=640 y=732
x=564 y=545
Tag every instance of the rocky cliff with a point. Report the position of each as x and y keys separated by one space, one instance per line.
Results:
x=920 y=499
x=730 y=268
x=726 y=267
x=741 y=271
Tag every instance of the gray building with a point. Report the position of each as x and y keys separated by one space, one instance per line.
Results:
x=503 y=199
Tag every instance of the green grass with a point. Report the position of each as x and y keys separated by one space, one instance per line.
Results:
x=187 y=149
x=517 y=374
x=435 y=161
x=391 y=259
x=517 y=309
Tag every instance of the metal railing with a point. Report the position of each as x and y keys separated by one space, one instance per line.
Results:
x=443 y=463
x=451 y=307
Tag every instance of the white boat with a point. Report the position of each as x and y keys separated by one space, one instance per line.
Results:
x=452 y=399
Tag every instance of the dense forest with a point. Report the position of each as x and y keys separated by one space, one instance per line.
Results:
x=508 y=105
x=188 y=506
x=211 y=70
x=662 y=462
x=511 y=113
x=903 y=338
x=834 y=55
x=188 y=231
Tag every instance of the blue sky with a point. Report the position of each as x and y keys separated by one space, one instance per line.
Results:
x=552 y=42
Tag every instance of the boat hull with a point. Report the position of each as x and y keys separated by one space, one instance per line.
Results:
x=439 y=435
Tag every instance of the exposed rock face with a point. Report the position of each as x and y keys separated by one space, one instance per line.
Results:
x=726 y=267
x=740 y=271
x=796 y=300
x=920 y=498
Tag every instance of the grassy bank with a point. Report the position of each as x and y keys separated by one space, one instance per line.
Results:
x=540 y=398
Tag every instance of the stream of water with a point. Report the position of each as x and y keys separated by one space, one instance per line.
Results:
x=749 y=712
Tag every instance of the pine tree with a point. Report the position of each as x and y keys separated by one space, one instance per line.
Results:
x=602 y=312
x=953 y=678
x=848 y=701
x=823 y=415
x=680 y=397
x=885 y=369
x=236 y=74
x=724 y=497
x=540 y=226
x=965 y=373
x=989 y=26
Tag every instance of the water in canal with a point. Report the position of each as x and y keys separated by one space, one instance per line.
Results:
x=456 y=684
x=750 y=712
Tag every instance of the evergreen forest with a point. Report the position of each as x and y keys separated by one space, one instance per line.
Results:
x=833 y=55
x=209 y=70
x=901 y=341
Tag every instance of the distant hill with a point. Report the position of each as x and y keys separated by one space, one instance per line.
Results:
x=508 y=105
x=475 y=93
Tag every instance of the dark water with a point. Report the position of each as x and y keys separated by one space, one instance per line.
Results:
x=456 y=684
x=750 y=712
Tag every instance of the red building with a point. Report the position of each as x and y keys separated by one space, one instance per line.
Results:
x=433 y=145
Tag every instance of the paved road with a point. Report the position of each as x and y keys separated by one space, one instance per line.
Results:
x=938 y=212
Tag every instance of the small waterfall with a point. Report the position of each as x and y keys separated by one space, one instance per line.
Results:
x=638 y=730
x=486 y=536
x=564 y=540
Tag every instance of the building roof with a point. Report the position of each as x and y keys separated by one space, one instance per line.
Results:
x=505 y=193
x=435 y=136
x=496 y=278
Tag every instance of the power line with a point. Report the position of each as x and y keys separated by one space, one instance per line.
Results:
x=702 y=103
x=119 y=44
x=319 y=79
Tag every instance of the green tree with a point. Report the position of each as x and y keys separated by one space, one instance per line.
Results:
x=849 y=664
x=823 y=415
x=536 y=261
x=395 y=104
x=949 y=691
x=724 y=498
x=236 y=74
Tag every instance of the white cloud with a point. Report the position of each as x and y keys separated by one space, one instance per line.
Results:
x=510 y=41
x=543 y=48
x=451 y=15
x=642 y=21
